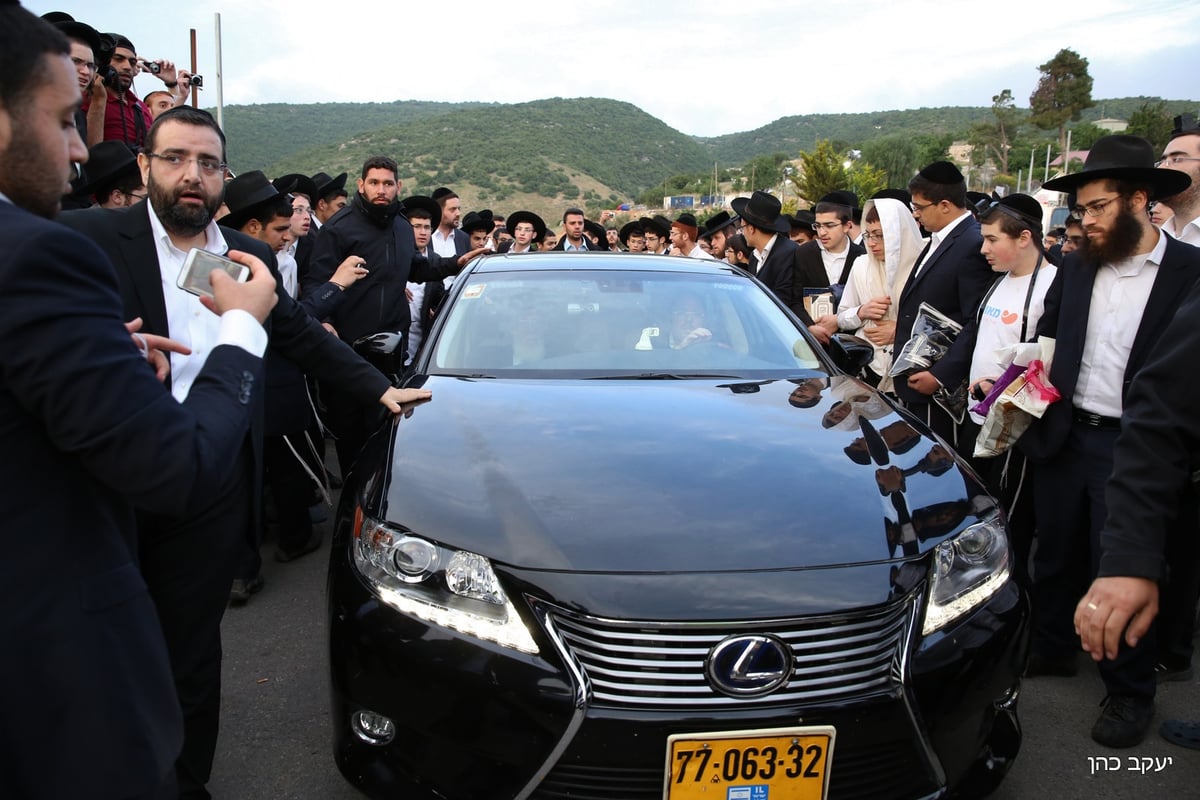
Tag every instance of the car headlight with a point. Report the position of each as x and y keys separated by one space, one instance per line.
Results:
x=966 y=571
x=453 y=588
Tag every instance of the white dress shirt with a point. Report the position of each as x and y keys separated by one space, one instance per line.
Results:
x=1119 y=295
x=190 y=323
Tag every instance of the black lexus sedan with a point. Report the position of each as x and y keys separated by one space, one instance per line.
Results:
x=647 y=540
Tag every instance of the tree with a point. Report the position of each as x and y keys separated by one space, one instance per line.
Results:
x=1153 y=123
x=897 y=156
x=994 y=139
x=821 y=172
x=1063 y=92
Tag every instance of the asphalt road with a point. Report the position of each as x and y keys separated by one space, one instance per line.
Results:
x=275 y=737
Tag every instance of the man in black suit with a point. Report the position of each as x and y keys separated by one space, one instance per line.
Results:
x=779 y=265
x=1154 y=459
x=448 y=240
x=951 y=275
x=832 y=251
x=1107 y=309
x=90 y=435
x=189 y=562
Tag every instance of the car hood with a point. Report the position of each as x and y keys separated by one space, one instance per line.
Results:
x=617 y=476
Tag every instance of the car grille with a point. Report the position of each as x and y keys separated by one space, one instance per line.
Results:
x=650 y=665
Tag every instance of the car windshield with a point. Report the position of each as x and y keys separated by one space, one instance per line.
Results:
x=602 y=323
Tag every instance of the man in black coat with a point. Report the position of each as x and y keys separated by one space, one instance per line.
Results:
x=951 y=275
x=1154 y=460
x=833 y=253
x=190 y=562
x=90 y=436
x=372 y=226
x=765 y=229
x=1106 y=309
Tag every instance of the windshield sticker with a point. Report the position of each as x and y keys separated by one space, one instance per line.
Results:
x=473 y=291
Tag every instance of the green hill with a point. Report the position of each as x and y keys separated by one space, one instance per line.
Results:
x=550 y=153
x=260 y=135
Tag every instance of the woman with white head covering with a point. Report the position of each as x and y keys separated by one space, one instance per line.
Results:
x=893 y=241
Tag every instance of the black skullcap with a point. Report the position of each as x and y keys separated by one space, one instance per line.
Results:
x=942 y=172
x=1185 y=123
x=893 y=194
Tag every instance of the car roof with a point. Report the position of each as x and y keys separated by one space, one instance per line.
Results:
x=599 y=260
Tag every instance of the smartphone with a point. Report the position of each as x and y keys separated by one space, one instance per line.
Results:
x=196 y=268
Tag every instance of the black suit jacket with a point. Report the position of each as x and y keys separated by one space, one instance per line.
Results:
x=810 y=256
x=785 y=271
x=90 y=435
x=953 y=281
x=561 y=244
x=1156 y=454
x=1068 y=305
x=126 y=237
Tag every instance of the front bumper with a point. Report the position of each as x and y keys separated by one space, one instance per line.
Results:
x=476 y=720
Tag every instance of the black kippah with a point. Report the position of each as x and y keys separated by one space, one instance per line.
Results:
x=942 y=172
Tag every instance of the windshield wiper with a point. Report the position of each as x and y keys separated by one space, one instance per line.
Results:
x=660 y=376
x=462 y=375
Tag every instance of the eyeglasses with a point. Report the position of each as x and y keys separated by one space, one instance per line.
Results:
x=79 y=62
x=209 y=166
x=300 y=210
x=523 y=229
x=1174 y=160
x=1094 y=209
x=919 y=207
x=141 y=196
x=872 y=237
x=816 y=226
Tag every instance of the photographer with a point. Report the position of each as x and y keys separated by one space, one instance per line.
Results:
x=126 y=118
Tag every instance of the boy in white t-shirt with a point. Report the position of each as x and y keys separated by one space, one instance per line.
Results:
x=1008 y=314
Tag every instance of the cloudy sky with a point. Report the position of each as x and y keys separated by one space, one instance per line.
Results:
x=703 y=67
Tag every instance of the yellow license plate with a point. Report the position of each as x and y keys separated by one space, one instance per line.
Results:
x=774 y=764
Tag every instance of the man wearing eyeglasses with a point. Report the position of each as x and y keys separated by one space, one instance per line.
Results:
x=1107 y=309
x=189 y=562
x=951 y=275
x=1183 y=153
x=833 y=251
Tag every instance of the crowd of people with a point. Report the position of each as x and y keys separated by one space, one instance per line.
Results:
x=166 y=469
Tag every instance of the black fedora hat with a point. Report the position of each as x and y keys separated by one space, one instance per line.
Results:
x=596 y=229
x=629 y=229
x=517 y=217
x=244 y=194
x=478 y=221
x=658 y=224
x=106 y=162
x=1123 y=157
x=295 y=183
x=326 y=185
x=761 y=210
x=718 y=221
x=74 y=29
x=427 y=204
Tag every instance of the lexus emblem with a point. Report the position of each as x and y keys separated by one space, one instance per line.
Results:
x=748 y=666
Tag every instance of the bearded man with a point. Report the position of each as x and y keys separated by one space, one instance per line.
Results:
x=189 y=563
x=1107 y=307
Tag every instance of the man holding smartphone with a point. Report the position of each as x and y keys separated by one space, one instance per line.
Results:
x=190 y=562
x=91 y=437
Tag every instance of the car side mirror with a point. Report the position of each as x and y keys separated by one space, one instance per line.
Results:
x=850 y=353
x=382 y=350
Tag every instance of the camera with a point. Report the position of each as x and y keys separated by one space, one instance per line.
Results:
x=152 y=66
x=109 y=74
x=197 y=82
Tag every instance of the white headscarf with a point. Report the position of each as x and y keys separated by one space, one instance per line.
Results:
x=902 y=244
